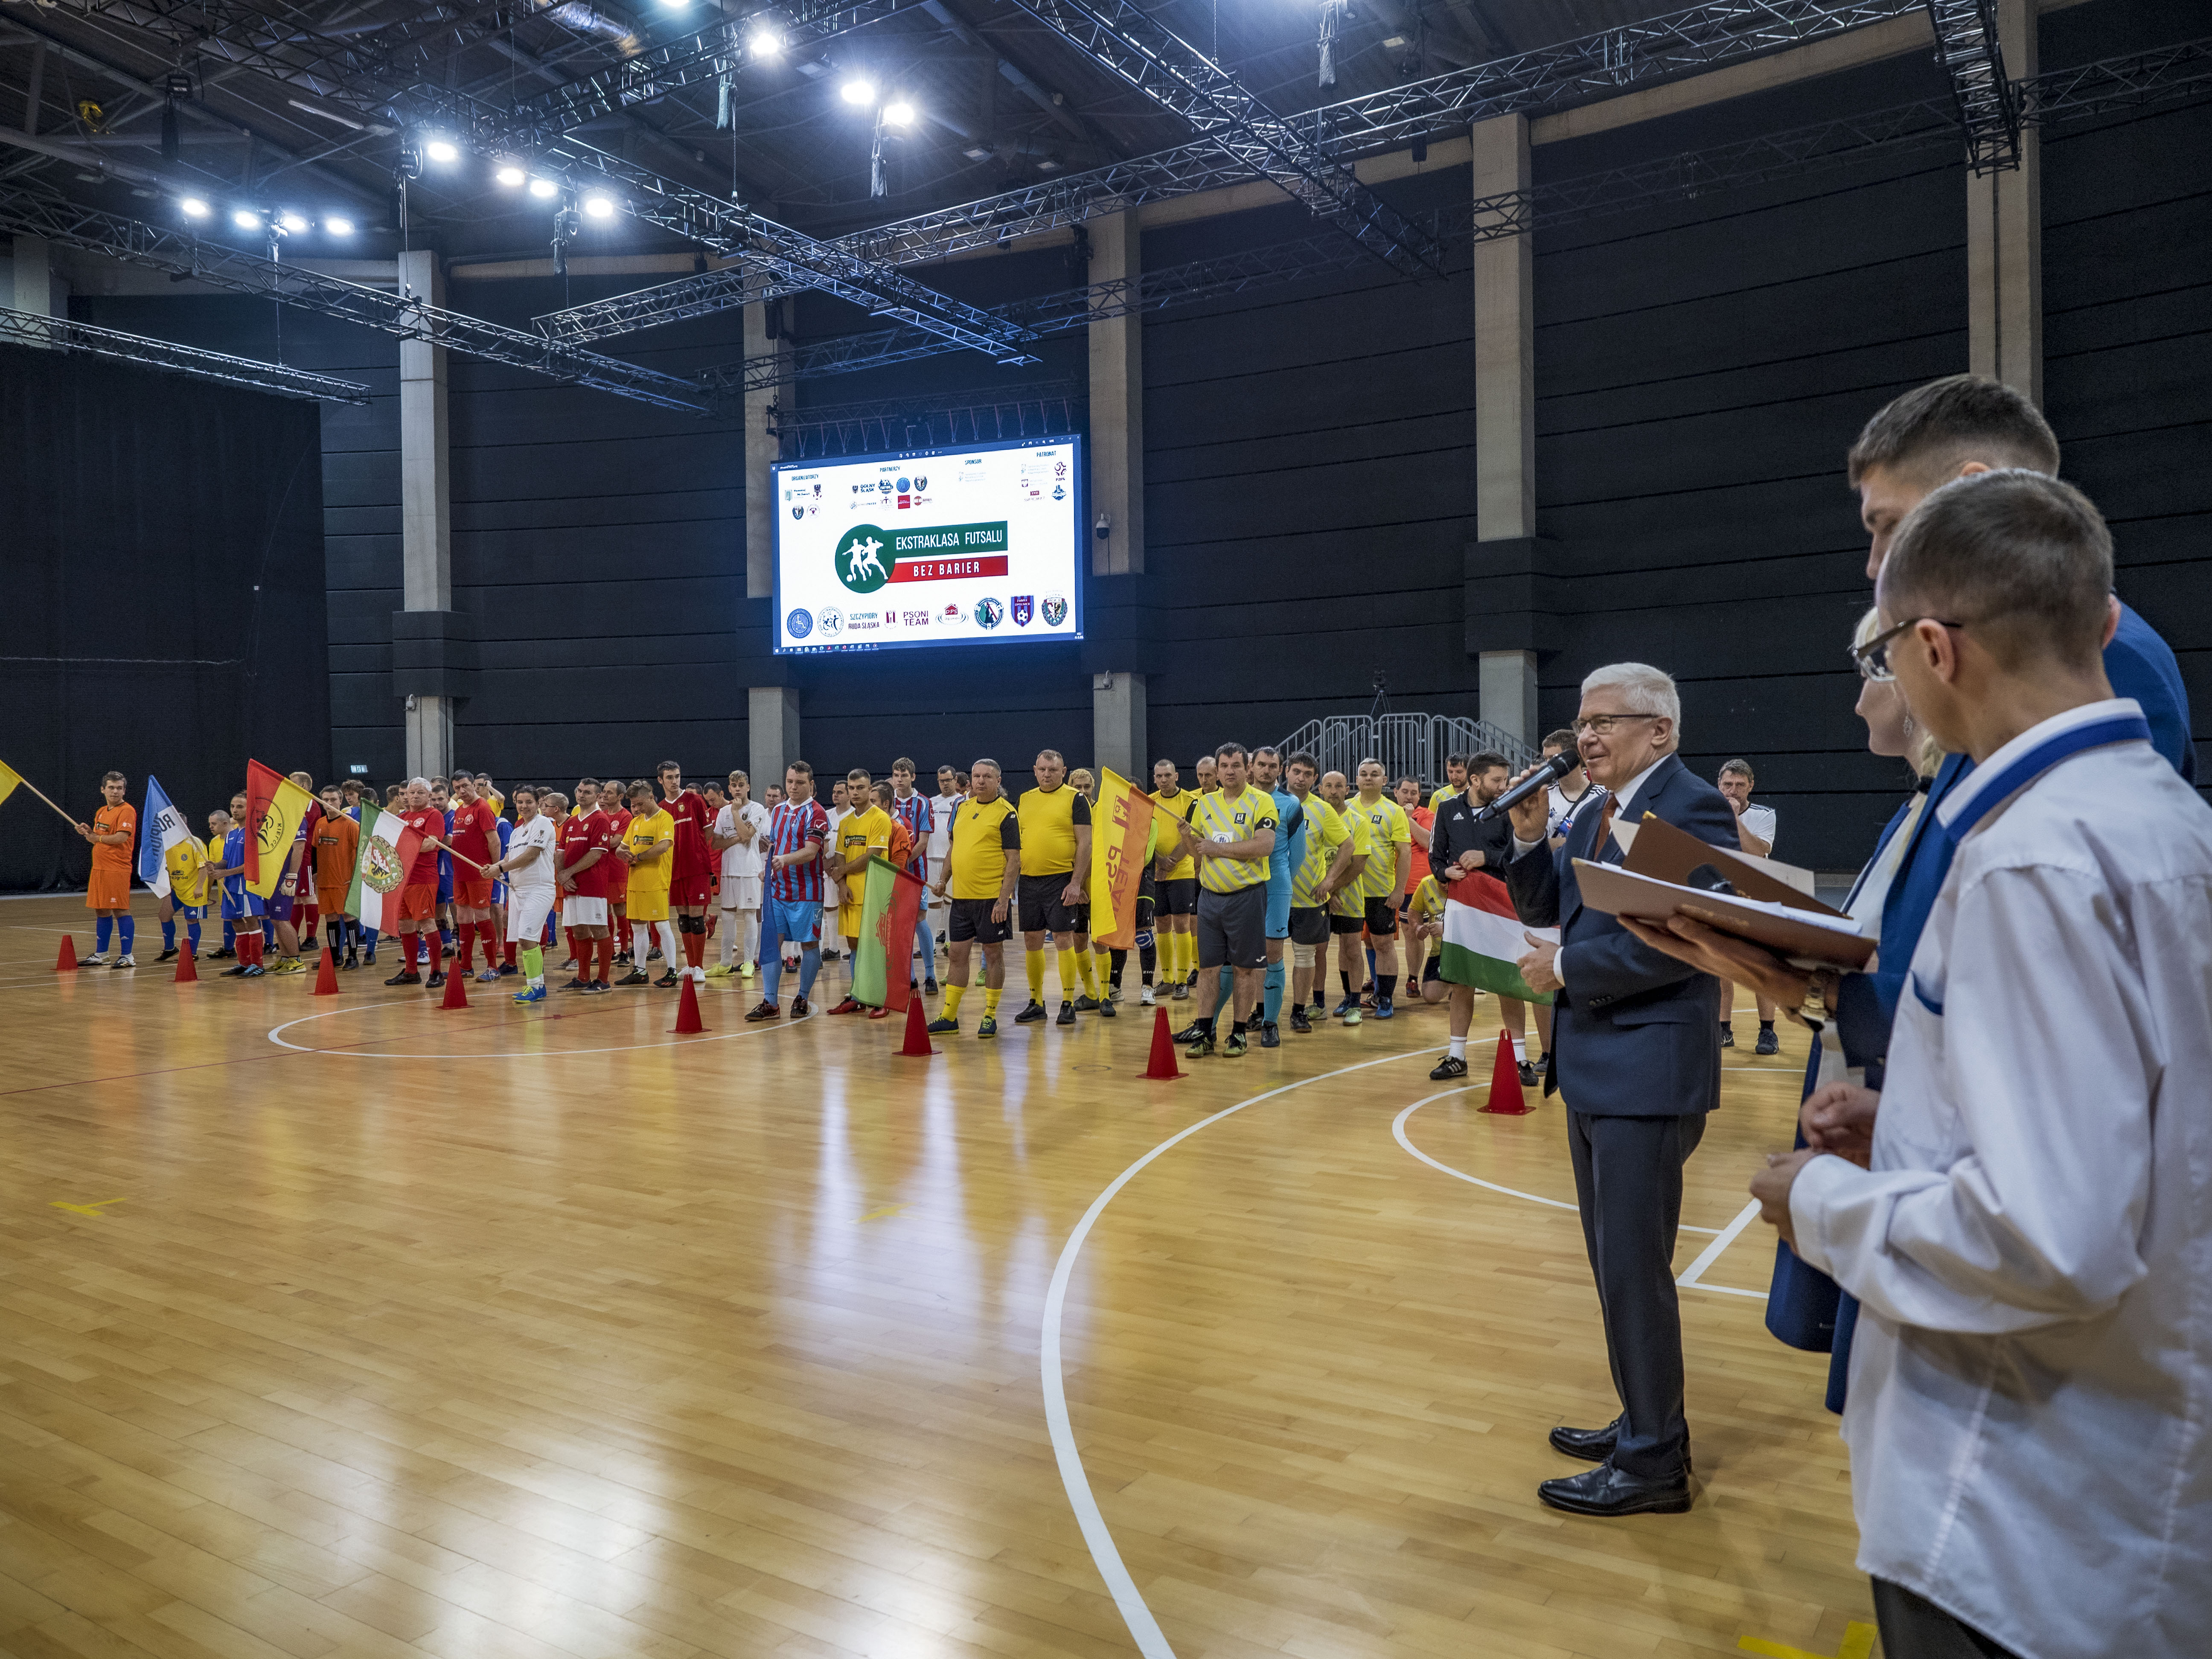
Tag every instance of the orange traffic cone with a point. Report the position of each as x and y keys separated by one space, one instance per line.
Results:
x=457 y=984
x=66 y=962
x=1162 y=1065
x=1506 y=1099
x=188 y=972
x=687 y=1023
x=327 y=975
x=917 y=1030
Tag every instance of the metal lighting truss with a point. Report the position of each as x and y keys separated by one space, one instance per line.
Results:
x=1664 y=48
x=2164 y=74
x=1129 y=42
x=1987 y=107
x=137 y=243
x=60 y=334
x=982 y=416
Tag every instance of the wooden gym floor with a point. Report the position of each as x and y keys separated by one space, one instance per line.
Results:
x=351 y=1326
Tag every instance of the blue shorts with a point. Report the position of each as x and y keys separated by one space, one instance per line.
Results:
x=239 y=907
x=798 y=919
x=278 y=905
x=189 y=912
x=1278 y=908
x=445 y=879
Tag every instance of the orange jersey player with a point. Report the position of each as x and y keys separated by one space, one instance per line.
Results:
x=113 y=832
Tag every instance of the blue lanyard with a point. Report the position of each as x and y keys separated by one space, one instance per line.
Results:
x=2120 y=728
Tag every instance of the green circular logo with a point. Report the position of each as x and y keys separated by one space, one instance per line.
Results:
x=861 y=558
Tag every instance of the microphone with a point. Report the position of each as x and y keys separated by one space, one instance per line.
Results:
x=1542 y=778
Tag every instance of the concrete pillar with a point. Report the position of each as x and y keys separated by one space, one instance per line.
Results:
x=425 y=507
x=772 y=725
x=1117 y=405
x=2004 y=240
x=763 y=451
x=1508 y=687
x=34 y=287
x=1505 y=400
x=1117 y=726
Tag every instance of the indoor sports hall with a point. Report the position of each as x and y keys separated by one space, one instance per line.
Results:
x=1075 y=827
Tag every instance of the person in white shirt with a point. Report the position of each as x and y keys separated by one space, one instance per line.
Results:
x=2025 y=1210
x=1754 y=827
x=739 y=836
x=950 y=790
x=839 y=810
x=528 y=867
x=1559 y=801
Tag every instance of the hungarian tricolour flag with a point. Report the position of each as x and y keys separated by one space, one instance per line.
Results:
x=379 y=870
x=1482 y=938
x=891 y=905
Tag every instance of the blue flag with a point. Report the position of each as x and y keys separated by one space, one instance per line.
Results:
x=164 y=827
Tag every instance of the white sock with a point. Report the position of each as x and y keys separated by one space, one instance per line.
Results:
x=1520 y=1049
x=1459 y=1047
x=750 y=921
x=729 y=937
x=672 y=953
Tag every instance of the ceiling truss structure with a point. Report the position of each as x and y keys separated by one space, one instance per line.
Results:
x=60 y=334
x=1988 y=108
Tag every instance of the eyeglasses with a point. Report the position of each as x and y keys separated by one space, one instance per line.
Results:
x=1603 y=726
x=1873 y=657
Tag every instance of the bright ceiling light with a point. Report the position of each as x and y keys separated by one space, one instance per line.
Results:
x=858 y=91
x=899 y=114
x=599 y=207
x=511 y=175
x=766 y=43
x=194 y=208
x=442 y=150
x=294 y=222
x=543 y=188
x=246 y=219
x=338 y=226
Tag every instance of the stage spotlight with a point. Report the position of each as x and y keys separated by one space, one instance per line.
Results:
x=599 y=207
x=766 y=43
x=543 y=188
x=294 y=222
x=442 y=150
x=338 y=226
x=246 y=219
x=899 y=114
x=858 y=91
x=194 y=208
x=512 y=176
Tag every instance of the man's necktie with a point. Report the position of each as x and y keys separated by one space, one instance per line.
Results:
x=1604 y=829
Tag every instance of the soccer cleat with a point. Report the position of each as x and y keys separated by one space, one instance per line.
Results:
x=1299 y=1023
x=1385 y=1008
x=1031 y=1011
x=132 y=962
x=1352 y=1016
x=1145 y=997
x=1067 y=1014
x=929 y=987
x=488 y=977
x=766 y=1011
x=801 y=1008
x=1200 y=1046
x=1728 y=1037
x=1768 y=1043
x=721 y=970
x=849 y=1007
x=1182 y=992
x=166 y=956
x=943 y=1027
x=668 y=981
x=405 y=976
x=435 y=980
x=989 y=1028
x=1084 y=1005
x=1232 y=1048
x=1446 y=1069
x=1271 y=1034
x=534 y=993
x=1107 y=1011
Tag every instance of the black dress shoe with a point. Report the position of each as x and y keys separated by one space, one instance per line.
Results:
x=1594 y=1445
x=1605 y=1491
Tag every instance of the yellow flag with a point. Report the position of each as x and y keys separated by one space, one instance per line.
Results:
x=276 y=806
x=1120 y=824
x=9 y=780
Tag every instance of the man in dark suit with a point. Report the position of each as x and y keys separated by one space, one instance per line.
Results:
x=1636 y=1050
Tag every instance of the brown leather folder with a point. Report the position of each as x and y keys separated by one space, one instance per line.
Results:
x=1619 y=891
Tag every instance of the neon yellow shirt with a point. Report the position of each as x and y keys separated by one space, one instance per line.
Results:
x=1388 y=828
x=1350 y=900
x=1325 y=833
x=1177 y=806
x=1218 y=817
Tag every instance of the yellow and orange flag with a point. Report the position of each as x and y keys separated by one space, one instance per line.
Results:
x=8 y=778
x=275 y=808
x=1120 y=829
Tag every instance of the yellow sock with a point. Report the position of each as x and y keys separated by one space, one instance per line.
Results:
x=990 y=1002
x=1035 y=962
x=1086 y=967
x=1180 y=942
x=952 y=995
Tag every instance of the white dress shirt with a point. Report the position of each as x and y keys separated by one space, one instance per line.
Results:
x=941 y=829
x=2031 y=1384
x=747 y=858
x=1593 y=799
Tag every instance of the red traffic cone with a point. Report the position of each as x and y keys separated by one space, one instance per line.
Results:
x=1506 y=1099
x=457 y=984
x=1162 y=1065
x=687 y=1023
x=188 y=972
x=327 y=975
x=66 y=962
x=917 y=1030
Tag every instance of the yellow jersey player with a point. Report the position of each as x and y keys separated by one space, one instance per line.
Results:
x=1175 y=879
x=1056 y=821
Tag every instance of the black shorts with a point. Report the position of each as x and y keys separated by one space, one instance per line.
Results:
x=1232 y=928
x=1309 y=925
x=1179 y=897
x=1341 y=926
x=1079 y=919
x=1432 y=969
x=1382 y=916
x=1041 y=910
x=971 y=918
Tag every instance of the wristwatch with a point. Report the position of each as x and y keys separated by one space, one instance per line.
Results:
x=1819 y=1005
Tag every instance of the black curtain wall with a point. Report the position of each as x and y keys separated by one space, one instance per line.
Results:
x=161 y=573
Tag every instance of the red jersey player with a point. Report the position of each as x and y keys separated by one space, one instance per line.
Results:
x=418 y=899
x=587 y=852
x=693 y=871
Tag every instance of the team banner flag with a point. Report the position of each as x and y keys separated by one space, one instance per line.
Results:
x=891 y=907
x=9 y=777
x=1121 y=825
x=1482 y=938
x=166 y=832
x=388 y=847
x=275 y=809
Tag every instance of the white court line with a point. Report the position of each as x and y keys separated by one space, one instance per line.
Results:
x=512 y=1053
x=1693 y=1278
x=1126 y=1596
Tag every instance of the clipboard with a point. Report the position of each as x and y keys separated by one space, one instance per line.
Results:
x=1666 y=853
x=1808 y=936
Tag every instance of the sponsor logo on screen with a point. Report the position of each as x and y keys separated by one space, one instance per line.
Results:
x=798 y=624
x=1055 y=610
x=798 y=512
x=830 y=621
x=952 y=616
x=1025 y=609
x=861 y=558
x=990 y=612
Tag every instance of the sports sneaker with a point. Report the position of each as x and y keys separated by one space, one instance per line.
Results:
x=253 y=971
x=1031 y=1011
x=1352 y=1016
x=1190 y=1033
x=1271 y=1036
x=989 y=1028
x=488 y=977
x=744 y=970
x=132 y=962
x=1202 y=1045
x=1083 y=1004
x=1192 y=980
x=1529 y=1079
x=353 y=959
x=766 y=1011
x=929 y=987
x=97 y=959
x=225 y=951
x=1345 y=1006
x=1182 y=992
x=1113 y=993
x=1728 y=1036
x=942 y=1027
x=668 y=981
x=879 y=1014
x=1233 y=1048
x=653 y=955
x=635 y=976
x=405 y=976
x=1299 y=1023
x=1446 y=1069
x=799 y=1008
x=167 y=954
x=235 y=973
x=1145 y=997
x=1107 y=1011
x=1768 y=1043
x=849 y=1007
x=569 y=966
x=509 y=970
x=435 y=980
x=284 y=965
x=1067 y=1013
x=599 y=987
x=721 y=970
x=1386 y=1008
x=533 y=993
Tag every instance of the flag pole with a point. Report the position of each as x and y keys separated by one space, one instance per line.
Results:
x=41 y=795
